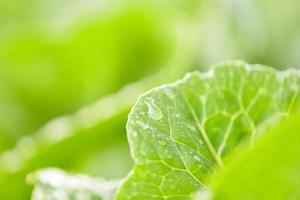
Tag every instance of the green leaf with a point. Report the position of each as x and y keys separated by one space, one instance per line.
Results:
x=93 y=128
x=57 y=185
x=40 y=59
x=269 y=171
x=180 y=133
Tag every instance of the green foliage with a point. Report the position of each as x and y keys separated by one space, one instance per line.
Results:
x=269 y=171
x=180 y=133
x=59 y=56
x=46 y=73
x=72 y=141
x=55 y=184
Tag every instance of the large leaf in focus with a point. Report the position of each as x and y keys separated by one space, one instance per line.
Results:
x=269 y=171
x=56 y=184
x=180 y=133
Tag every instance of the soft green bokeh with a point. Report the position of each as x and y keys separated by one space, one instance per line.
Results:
x=56 y=184
x=46 y=73
x=58 y=56
x=269 y=171
x=80 y=142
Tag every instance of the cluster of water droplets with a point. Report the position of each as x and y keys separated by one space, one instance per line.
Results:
x=153 y=110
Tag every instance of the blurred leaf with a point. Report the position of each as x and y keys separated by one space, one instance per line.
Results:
x=48 y=72
x=179 y=133
x=271 y=170
x=56 y=185
x=68 y=142
x=278 y=35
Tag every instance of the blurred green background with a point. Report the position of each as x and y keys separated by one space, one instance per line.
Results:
x=67 y=61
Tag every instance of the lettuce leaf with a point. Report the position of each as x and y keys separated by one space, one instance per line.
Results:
x=180 y=133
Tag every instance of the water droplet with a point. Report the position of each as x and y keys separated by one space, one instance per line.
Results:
x=196 y=157
x=142 y=124
x=177 y=115
x=191 y=127
x=200 y=142
x=153 y=110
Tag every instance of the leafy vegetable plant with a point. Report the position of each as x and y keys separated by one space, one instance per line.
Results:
x=272 y=166
x=55 y=184
x=180 y=134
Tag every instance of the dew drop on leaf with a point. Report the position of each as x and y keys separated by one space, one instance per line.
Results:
x=142 y=124
x=153 y=110
x=196 y=157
